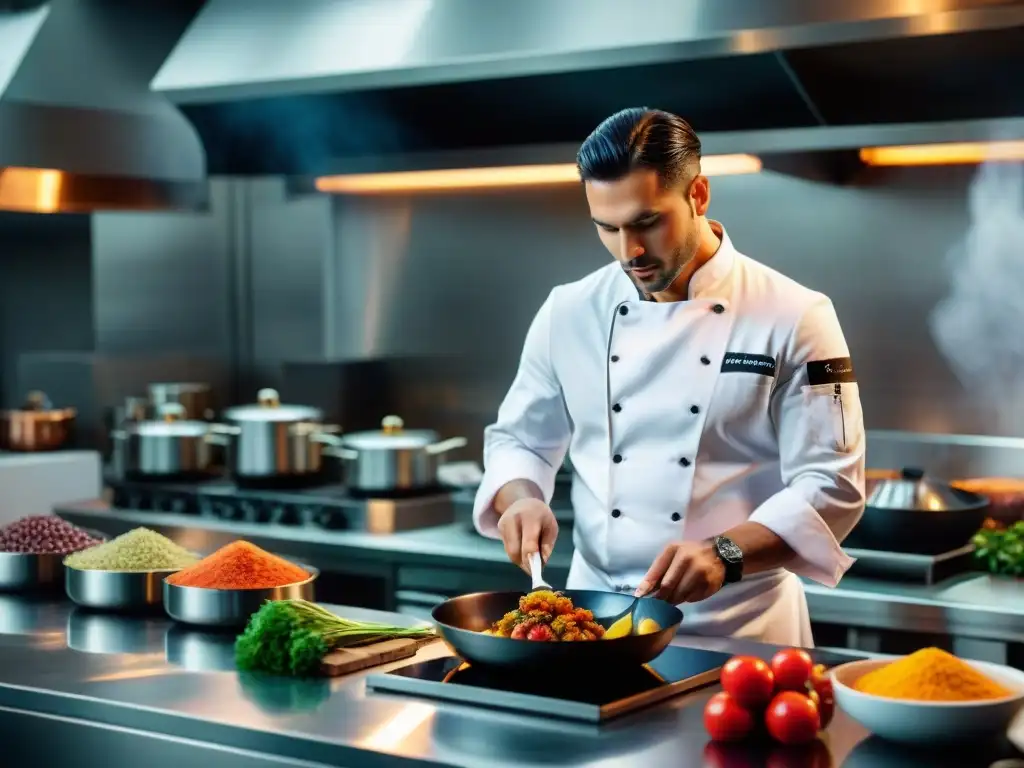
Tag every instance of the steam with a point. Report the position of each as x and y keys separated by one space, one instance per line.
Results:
x=304 y=133
x=979 y=326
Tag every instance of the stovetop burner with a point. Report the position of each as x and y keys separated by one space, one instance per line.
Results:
x=325 y=506
x=602 y=697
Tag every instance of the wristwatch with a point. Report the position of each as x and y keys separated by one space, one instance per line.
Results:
x=731 y=555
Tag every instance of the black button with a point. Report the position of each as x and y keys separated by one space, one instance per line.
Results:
x=705 y=359
x=617 y=458
x=676 y=517
x=623 y=310
x=616 y=513
x=694 y=409
x=615 y=358
x=684 y=462
x=616 y=407
x=718 y=309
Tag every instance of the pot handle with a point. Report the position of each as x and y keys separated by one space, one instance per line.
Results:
x=217 y=438
x=118 y=434
x=346 y=454
x=336 y=447
x=224 y=429
x=446 y=445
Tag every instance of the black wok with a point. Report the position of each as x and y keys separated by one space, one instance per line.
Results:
x=462 y=620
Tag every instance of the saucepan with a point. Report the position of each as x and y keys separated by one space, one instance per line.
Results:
x=393 y=459
x=36 y=426
x=462 y=620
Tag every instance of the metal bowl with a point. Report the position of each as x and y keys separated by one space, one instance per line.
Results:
x=23 y=572
x=229 y=608
x=115 y=590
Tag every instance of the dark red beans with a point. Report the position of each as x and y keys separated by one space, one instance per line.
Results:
x=44 y=534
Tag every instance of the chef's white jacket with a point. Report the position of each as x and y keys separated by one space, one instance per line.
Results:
x=684 y=419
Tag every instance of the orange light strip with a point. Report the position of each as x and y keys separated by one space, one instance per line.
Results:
x=35 y=190
x=965 y=153
x=498 y=177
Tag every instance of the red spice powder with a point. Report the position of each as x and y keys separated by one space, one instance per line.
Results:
x=239 y=565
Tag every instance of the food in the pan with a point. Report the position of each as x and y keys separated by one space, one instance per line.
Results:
x=792 y=696
x=930 y=674
x=547 y=616
x=624 y=627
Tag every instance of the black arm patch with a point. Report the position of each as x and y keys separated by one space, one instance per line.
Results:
x=837 y=370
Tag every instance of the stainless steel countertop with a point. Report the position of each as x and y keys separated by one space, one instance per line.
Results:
x=970 y=606
x=157 y=677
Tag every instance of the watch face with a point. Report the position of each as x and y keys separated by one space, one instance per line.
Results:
x=729 y=551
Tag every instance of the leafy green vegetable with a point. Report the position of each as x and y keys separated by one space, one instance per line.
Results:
x=293 y=636
x=1000 y=550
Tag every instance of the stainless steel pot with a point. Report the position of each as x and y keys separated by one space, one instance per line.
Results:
x=271 y=440
x=169 y=447
x=196 y=397
x=37 y=426
x=392 y=459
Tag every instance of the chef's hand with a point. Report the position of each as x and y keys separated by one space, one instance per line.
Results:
x=528 y=526
x=684 y=572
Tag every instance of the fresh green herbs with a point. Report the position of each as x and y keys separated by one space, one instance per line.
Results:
x=292 y=637
x=1001 y=550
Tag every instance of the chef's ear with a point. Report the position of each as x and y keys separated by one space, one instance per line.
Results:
x=700 y=194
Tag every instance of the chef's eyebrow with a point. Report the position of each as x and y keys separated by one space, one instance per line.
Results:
x=640 y=217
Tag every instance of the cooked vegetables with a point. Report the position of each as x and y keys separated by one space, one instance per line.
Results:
x=546 y=616
x=1001 y=550
x=293 y=636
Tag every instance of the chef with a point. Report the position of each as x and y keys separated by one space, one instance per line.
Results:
x=708 y=405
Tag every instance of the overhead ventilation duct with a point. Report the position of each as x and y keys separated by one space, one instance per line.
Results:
x=80 y=129
x=310 y=87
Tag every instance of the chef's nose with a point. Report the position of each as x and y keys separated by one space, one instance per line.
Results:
x=631 y=246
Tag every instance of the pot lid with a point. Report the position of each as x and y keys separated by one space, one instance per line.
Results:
x=268 y=407
x=172 y=423
x=911 y=490
x=392 y=435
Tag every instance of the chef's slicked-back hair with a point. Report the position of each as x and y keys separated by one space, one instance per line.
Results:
x=639 y=137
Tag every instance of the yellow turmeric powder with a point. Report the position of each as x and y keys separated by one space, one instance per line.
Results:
x=930 y=674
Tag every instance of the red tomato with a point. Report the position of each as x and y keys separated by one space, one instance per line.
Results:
x=725 y=719
x=821 y=684
x=749 y=680
x=540 y=633
x=792 y=718
x=792 y=669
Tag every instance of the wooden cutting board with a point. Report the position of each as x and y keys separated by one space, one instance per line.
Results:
x=344 y=661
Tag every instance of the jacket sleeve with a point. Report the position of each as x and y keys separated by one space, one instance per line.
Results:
x=530 y=436
x=820 y=426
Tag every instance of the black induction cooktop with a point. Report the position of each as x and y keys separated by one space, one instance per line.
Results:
x=594 y=699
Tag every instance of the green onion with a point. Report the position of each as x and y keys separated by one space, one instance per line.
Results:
x=293 y=636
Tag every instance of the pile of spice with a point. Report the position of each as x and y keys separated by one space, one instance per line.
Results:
x=44 y=535
x=930 y=674
x=138 y=550
x=240 y=565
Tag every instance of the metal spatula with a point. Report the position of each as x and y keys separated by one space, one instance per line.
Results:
x=536 y=573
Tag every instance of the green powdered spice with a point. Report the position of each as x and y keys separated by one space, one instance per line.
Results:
x=138 y=550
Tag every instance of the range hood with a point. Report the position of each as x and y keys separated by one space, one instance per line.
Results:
x=80 y=129
x=299 y=89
